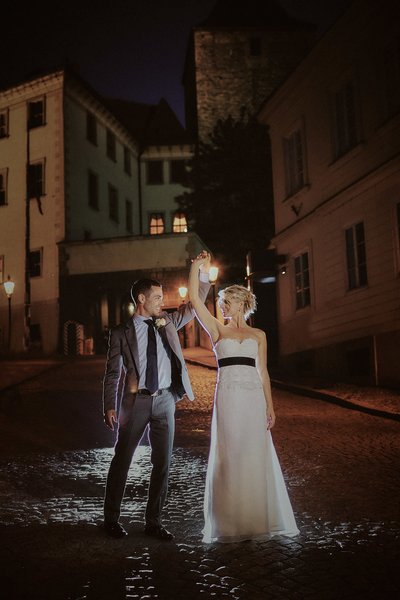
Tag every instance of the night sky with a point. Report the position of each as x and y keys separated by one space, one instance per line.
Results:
x=127 y=49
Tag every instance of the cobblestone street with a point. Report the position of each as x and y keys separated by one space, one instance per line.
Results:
x=341 y=468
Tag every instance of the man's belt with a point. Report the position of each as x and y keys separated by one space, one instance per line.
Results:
x=236 y=360
x=144 y=392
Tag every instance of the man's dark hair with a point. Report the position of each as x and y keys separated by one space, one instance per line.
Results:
x=143 y=286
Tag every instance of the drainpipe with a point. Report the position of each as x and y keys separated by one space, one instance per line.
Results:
x=27 y=299
x=140 y=194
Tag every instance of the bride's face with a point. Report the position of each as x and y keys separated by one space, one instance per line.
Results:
x=229 y=308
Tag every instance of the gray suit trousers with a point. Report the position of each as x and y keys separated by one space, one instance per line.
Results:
x=156 y=412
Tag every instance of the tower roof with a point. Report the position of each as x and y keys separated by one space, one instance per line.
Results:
x=252 y=13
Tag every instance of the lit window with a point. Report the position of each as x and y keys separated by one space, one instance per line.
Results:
x=157 y=224
x=179 y=223
x=356 y=256
x=91 y=128
x=3 y=123
x=294 y=162
x=36 y=179
x=3 y=187
x=154 y=172
x=36 y=113
x=302 y=280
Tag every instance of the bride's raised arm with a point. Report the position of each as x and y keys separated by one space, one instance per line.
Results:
x=206 y=319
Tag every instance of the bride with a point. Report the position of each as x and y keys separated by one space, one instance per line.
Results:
x=245 y=494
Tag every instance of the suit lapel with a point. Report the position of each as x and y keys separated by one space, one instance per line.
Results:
x=130 y=335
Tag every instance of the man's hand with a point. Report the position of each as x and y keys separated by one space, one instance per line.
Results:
x=203 y=261
x=110 y=417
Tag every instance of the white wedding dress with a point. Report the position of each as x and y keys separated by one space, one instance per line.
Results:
x=245 y=495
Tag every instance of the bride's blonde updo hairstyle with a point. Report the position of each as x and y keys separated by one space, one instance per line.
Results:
x=240 y=294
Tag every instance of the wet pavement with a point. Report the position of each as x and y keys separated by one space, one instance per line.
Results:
x=341 y=468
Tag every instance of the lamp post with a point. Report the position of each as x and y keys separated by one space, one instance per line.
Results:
x=182 y=292
x=9 y=290
x=213 y=276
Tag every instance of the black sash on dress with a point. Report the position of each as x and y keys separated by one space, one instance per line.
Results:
x=236 y=360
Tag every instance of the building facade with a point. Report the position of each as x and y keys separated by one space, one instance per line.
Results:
x=236 y=58
x=71 y=172
x=335 y=136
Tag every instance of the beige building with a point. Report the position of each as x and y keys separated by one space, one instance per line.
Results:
x=91 y=180
x=335 y=135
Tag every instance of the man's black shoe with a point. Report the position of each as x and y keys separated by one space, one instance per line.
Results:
x=115 y=530
x=159 y=532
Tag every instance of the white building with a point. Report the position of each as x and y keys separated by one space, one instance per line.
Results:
x=335 y=135
x=89 y=179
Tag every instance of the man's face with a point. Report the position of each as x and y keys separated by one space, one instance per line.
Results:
x=152 y=302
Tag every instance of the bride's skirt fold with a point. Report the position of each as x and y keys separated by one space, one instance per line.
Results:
x=246 y=496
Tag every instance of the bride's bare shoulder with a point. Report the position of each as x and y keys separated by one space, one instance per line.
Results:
x=259 y=334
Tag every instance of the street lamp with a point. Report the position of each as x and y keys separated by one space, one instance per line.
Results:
x=182 y=292
x=213 y=276
x=9 y=290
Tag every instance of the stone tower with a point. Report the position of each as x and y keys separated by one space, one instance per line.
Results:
x=237 y=57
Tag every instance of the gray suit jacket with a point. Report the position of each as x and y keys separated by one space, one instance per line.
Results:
x=123 y=355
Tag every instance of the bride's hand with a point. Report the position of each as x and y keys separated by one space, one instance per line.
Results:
x=270 y=419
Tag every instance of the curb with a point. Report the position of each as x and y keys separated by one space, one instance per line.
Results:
x=312 y=393
x=11 y=386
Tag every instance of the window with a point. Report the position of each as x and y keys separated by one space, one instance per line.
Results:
x=294 y=162
x=3 y=186
x=391 y=70
x=179 y=224
x=127 y=161
x=154 y=171
x=128 y=216
x=36 y=113
x=177 y=171
x=91 y=128
x=93 y=190
x=3 y=123
x=111 y=146
x=36 y=180
x=345 y=123
x=35 y=334
x=356 y=256
x=35 y=263
x=157 y=224
x=302 y=280
x=113 y=203
x=255 y=46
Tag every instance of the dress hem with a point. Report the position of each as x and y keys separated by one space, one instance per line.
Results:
x=251 y=537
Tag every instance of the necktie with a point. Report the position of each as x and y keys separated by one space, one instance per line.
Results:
x=152 y=368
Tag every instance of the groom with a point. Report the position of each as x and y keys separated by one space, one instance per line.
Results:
x=147 y=348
